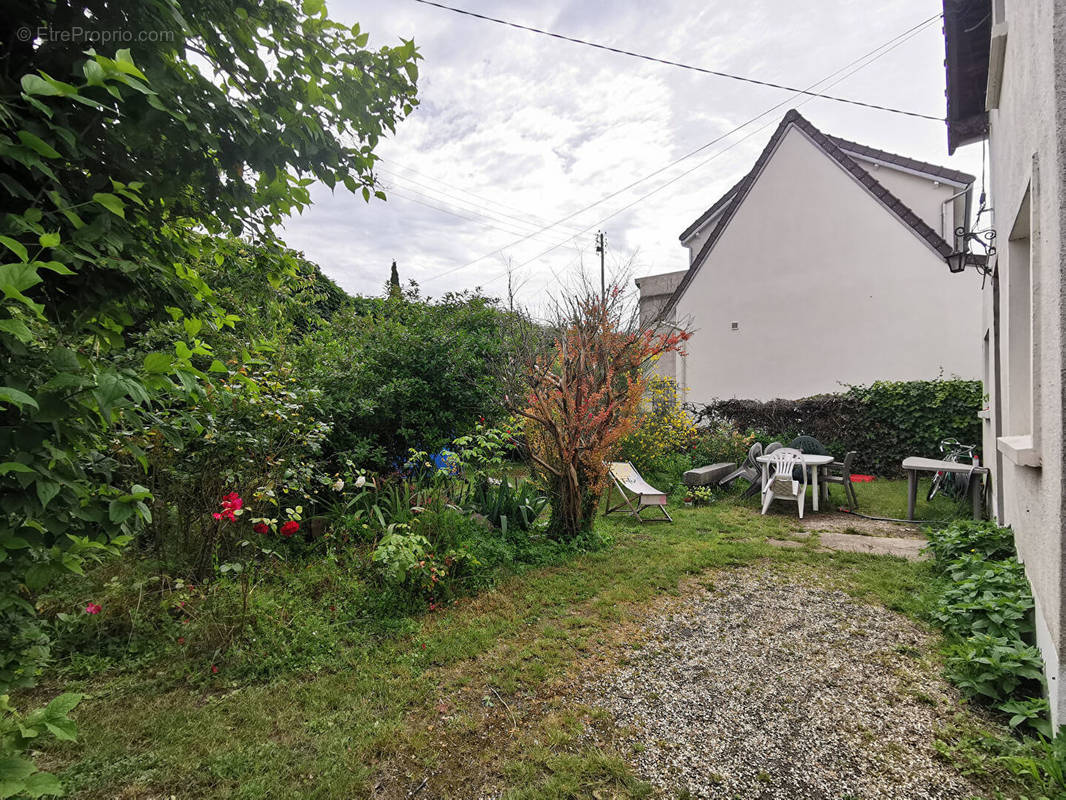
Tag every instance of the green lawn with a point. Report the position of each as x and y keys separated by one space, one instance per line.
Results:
x=882 y=497
x=885 y=497
x=471 y=694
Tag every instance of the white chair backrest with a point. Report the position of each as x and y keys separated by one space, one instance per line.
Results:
x=784 y=460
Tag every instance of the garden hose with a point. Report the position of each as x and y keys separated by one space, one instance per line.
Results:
x=844 y=510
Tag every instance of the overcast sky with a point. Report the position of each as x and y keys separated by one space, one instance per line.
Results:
x=516 y=130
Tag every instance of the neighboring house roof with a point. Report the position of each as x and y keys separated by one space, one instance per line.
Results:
x=935 y=171
x=967 y=41
x=719 y=204
x=728 y=204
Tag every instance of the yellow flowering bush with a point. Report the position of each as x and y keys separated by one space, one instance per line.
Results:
x=663 y=426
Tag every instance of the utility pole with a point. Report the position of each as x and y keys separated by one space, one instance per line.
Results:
x=601 y=248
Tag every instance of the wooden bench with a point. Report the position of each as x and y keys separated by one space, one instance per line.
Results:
x=913 y=465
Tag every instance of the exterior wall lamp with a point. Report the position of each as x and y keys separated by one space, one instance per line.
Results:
x=961 y=259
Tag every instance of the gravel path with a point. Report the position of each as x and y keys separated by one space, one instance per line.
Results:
x=759 y=688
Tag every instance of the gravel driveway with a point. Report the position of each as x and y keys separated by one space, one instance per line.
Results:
x=761 y=688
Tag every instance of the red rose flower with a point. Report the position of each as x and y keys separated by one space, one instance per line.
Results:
x=230 y=503
x=92 y=608
x=261 y=527
x=290 y=527
x=214 y=669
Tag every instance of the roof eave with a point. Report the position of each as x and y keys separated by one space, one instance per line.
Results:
x=967 y=37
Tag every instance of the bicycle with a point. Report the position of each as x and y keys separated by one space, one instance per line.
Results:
x=955 y=484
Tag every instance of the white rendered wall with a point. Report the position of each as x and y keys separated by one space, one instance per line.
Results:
x=1028 y=128
x=828 y=288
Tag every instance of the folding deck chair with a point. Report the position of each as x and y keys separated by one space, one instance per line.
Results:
x=634 y=489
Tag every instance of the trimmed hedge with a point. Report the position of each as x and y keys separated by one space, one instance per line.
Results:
x=884 y=422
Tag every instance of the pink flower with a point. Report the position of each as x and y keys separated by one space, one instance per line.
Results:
x=214 y=669
x=93 y=608
x=261 y=527
x=290 y=527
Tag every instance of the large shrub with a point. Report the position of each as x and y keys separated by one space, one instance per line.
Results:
x=662 y=426
x=884 y=422
x=403 y=373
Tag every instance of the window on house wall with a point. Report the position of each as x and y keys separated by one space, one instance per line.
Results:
x=1020 y=325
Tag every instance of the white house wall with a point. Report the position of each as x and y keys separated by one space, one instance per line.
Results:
x=1030 y=127
x=922 y=196
x=828 y=287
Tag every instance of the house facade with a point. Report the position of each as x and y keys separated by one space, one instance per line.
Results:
x=824 y=266
x=1006 y=87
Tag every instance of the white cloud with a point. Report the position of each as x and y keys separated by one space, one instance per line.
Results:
x=539 y=128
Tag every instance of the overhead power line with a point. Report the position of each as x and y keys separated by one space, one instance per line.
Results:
x=712 y=157
x=680 y=64
x=449 y=189
x=858 y=63
x=453 y=196
x=399 y=190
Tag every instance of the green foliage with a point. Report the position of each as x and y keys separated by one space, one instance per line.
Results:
x=703 y=495
x=665 y=471
x=986 y=597
x=996 y=668
x=400 y=373
x=119 y=170
x=260 y=434
x=1042 y=764
x=963 y=537
x=507 y=505
x=720 y=442
x=884 y=422
x=662 y=427
x=19 y=776
x=986 y=606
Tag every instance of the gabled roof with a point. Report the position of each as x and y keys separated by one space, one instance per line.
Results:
x=728 y=204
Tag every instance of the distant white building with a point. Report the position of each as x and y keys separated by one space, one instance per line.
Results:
x=823 y=266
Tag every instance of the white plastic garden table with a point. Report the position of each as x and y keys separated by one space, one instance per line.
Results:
x=817 y=464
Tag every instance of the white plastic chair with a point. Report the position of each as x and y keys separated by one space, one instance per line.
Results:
x=780 y=483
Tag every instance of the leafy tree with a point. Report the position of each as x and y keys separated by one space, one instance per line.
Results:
x=580 y=384
x=402 y=373
x=114 y=165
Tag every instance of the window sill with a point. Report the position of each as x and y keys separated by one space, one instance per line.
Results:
x=1020 y=450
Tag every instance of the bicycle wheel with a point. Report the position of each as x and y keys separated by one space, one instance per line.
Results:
x=960 y=487
x=938 y=479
